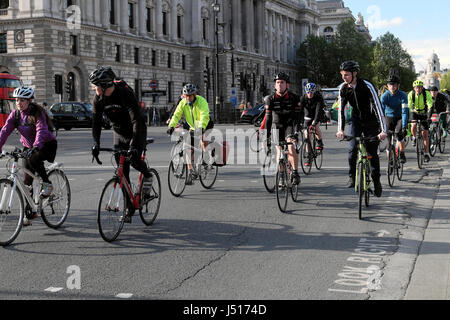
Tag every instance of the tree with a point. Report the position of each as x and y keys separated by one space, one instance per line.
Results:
x=445 y=81
x=389 y=56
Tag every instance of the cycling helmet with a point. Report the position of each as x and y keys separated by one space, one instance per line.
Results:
x=281 y=76
x=190 y=89
x=351 y=66
x=24 y=93
x=102 y=77
x=418 y=83
x=393 y=79
x=310 y=87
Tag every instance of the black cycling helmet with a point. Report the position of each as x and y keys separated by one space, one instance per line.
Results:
x=393 y=79
x=351 y=66
x=281 y=76
x=102 y=77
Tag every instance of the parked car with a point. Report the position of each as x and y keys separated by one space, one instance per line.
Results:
x=70 y=115
x=329 y=96
x=250 y=115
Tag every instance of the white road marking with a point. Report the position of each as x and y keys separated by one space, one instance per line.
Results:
x=53 y=289
x=124 y=295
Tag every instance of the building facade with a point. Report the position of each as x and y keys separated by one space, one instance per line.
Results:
x=432 y=74
x=156 y=46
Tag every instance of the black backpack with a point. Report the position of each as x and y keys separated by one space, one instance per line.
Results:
x=50 y=125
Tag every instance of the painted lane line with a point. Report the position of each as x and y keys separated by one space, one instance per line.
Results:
x=124 y=295
x=53 y=289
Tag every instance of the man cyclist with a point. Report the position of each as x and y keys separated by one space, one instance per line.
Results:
x=196 y=113
x=420 y=103
x=313 y=106
x=118 y=102
x=367 y=118
x=440 y=104
x=395 y=106
x=283 y=110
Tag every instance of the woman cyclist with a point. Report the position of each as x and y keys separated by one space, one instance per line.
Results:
x=32 y=122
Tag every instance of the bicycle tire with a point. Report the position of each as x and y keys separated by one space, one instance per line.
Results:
x=441 y=140
x=367 y=184
x=318 y=159
x=153 y=199
x=359 y=181
x=109 y=219
x=391 y=167
x=433 y=142
x=207 y=174
x=419 y=153
x=59 y=199
x=282 y=190
x=295 y=190
x=11 y=221
x=399 y=167
x=269 y=172
x=303 y=155
x=178 y=170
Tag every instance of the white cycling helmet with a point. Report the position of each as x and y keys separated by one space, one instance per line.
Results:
x=23 y=93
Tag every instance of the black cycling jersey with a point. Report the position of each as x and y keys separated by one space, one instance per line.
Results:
x=440 y=103
x=365 y=103
x=283 y=111
x=126 y=117
x=313 y=108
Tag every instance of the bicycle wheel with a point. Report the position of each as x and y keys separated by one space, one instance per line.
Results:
x=433 y=142
x=11 y=212
x=56 y=207
x=441 y=140
x=150 y=203
x=281 y=186
x=304 y=156
x=399 y=164
x=177 y=175
x=295 y=189
x=391 y=167
x=419 y=152
x=367 y=184
x=359 y=181
x=111 y=207
x=318 y=159
x=269 y=172
x=207 y=174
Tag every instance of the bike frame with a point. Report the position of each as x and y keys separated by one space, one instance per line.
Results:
x=363 y=158
x=124 y=182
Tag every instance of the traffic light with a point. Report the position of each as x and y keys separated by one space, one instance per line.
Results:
x=242 y=81
x=58 y=84
x=68 y=87
x=206 y=78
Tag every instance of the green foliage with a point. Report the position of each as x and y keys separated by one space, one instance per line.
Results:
x=445 y=81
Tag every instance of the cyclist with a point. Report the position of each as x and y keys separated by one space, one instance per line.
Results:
x=367 y=118
x=420 y=103
x=196 y=113
x=283 y=109
x=33 y=124
x=440 y=104
x=395 y=106
x=313 y=105
x=118 y=102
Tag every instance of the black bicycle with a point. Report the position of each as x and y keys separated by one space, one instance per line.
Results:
x=310 y=151
x=395 y=166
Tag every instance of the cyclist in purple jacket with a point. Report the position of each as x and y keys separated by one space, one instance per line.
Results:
x=33 y=125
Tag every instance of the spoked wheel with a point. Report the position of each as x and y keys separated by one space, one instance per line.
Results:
x=442 y=142
x=367 y=186
x=269 y=172
x=304 y=156
x=420 y=153
x=399 y=166
x=359 y=179
x=207 y=174
x=391 y=167
x=295 y=190
x=151 y=202
x=111 y=208
x=433 y=145
x=11 y=212
x=56 y=207
x=281 y=187
x=177 y=175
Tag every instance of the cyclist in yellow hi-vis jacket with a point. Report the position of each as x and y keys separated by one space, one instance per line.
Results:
x=196 y=113
x=420 y=102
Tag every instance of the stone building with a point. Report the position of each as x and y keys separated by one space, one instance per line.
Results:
x=431 y=75
x=155 y=45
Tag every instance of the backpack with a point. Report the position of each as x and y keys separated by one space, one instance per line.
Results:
x=50 y=124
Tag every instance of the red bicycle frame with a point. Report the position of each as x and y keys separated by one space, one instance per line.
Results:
x=134 y=199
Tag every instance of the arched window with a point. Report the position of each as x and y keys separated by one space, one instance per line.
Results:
x=328 y=29
x=4 y=4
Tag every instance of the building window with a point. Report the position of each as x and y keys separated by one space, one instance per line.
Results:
x=118 y=49
x=137 y=89
x=164 y=23
x=183 y=62
x=112 y=12
x=73 y=45
x=179 y=21
x=4 y=4
x=204 y=26
x=69 y=3
x=153 y=58
x=136 y=55
x=131 y=15
x=149 y=20
x=3 y=45
x=169 y=60
x=170 y=91
x=328 y=29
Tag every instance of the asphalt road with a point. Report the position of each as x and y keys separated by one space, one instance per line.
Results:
x=230 y=242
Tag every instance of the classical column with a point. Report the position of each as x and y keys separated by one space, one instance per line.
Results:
x=159 y=22
x=123 y=16
x=196 y=21
x=237 y=32
x=173 y=22
x=270 y=33
x=24 y=8
x=104 y=12
x=142 y=17
x=250 y=26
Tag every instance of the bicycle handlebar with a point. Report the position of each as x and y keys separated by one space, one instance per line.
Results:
x=364 y=139
x=114 y=151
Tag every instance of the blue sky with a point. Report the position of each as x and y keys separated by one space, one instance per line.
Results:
x=422 y=26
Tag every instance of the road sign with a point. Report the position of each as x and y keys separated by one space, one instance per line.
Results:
x=153 y=84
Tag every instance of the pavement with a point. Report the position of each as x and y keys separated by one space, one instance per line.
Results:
x=430 y=279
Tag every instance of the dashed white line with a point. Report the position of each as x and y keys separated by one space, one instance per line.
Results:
x=53 y=289
x=124 y=295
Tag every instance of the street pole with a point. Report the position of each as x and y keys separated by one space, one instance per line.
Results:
x=216 y=7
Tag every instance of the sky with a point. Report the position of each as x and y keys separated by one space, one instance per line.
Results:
x=422 y=26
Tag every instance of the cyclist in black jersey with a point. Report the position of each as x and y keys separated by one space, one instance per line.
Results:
x=118 y=102
x=284 y=111
x=367 y=118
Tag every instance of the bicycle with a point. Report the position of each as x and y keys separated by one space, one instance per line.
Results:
x=119 y=198
x=310 y=151
x=395 y=166
x=420 y=146
x=14 y=193
x=206 y=171
x=436 y=139
x=363 y=178
x=284 y=178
